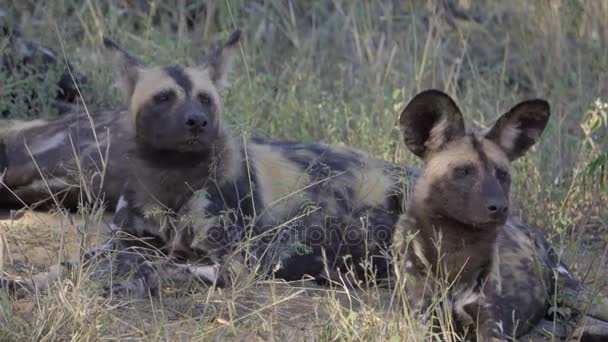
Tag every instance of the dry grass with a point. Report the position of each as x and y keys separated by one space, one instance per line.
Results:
x=336 y=71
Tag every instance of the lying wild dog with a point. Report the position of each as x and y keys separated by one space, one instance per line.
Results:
x=194 y=192
x=69 y=161
x=460 y=239
x=199 y=197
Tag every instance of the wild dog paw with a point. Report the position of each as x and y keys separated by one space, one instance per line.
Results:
x=140 y=284
x=133 y=289
x=495 y=335
x=7 y=284
x=15 y=288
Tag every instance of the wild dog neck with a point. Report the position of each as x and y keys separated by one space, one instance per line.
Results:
x=169 y=176
x=452 y=248
x=455 y=234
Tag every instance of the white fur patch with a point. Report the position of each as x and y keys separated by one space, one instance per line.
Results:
x=419 y=254
x=500 y=327
x=462 y=299
x=508 y=136
x=408 y=265
x=278 y=266
x=496 y=270
x=208 y=273
x=198 y=202
x=99 y=248
x=47 y=52
x=48 y=144
x=43 y=186
x=113 y=227
x=122 y=203
x=437 y=134
x=195 y=214
x=563 y=271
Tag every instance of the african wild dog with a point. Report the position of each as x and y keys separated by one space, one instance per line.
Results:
x=461 y=241
x=290 y=201
x=460 y=203
x=74 y=158
x=194 y=192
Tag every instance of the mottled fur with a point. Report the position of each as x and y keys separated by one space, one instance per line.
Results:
x=289 y=203
x=76 y=157
x=196 y=194
x=462 y=242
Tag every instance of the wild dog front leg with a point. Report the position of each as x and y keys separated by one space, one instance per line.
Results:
x=43 y=280
x=420 y=297
x=156 y=251
x=137 y=274
x=37 y=282
x=485 y=312
x=427 y=306
x=489 y=328
x=131 y=270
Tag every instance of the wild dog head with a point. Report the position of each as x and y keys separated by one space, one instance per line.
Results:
x=466 y=177
x=174 y=108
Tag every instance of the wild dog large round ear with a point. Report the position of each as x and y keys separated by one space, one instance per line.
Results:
x=219 y=61
x=126 y=68
x=429 y=121
x=520 y=128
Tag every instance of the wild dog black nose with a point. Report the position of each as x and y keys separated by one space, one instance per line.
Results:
x=196 y=121
x=495 y=199
x=498 y=208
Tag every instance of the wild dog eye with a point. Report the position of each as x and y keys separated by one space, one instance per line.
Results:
x=163 y=97
x=503 y=175
x=463 y=171
x=204 y=99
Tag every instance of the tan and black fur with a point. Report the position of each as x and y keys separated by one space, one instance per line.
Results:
x=195 y=194
x=69 y=161
x=463 y=242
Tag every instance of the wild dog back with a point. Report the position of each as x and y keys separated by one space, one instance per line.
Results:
x=331 y=200
x=460 y=203
x=74 y=157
